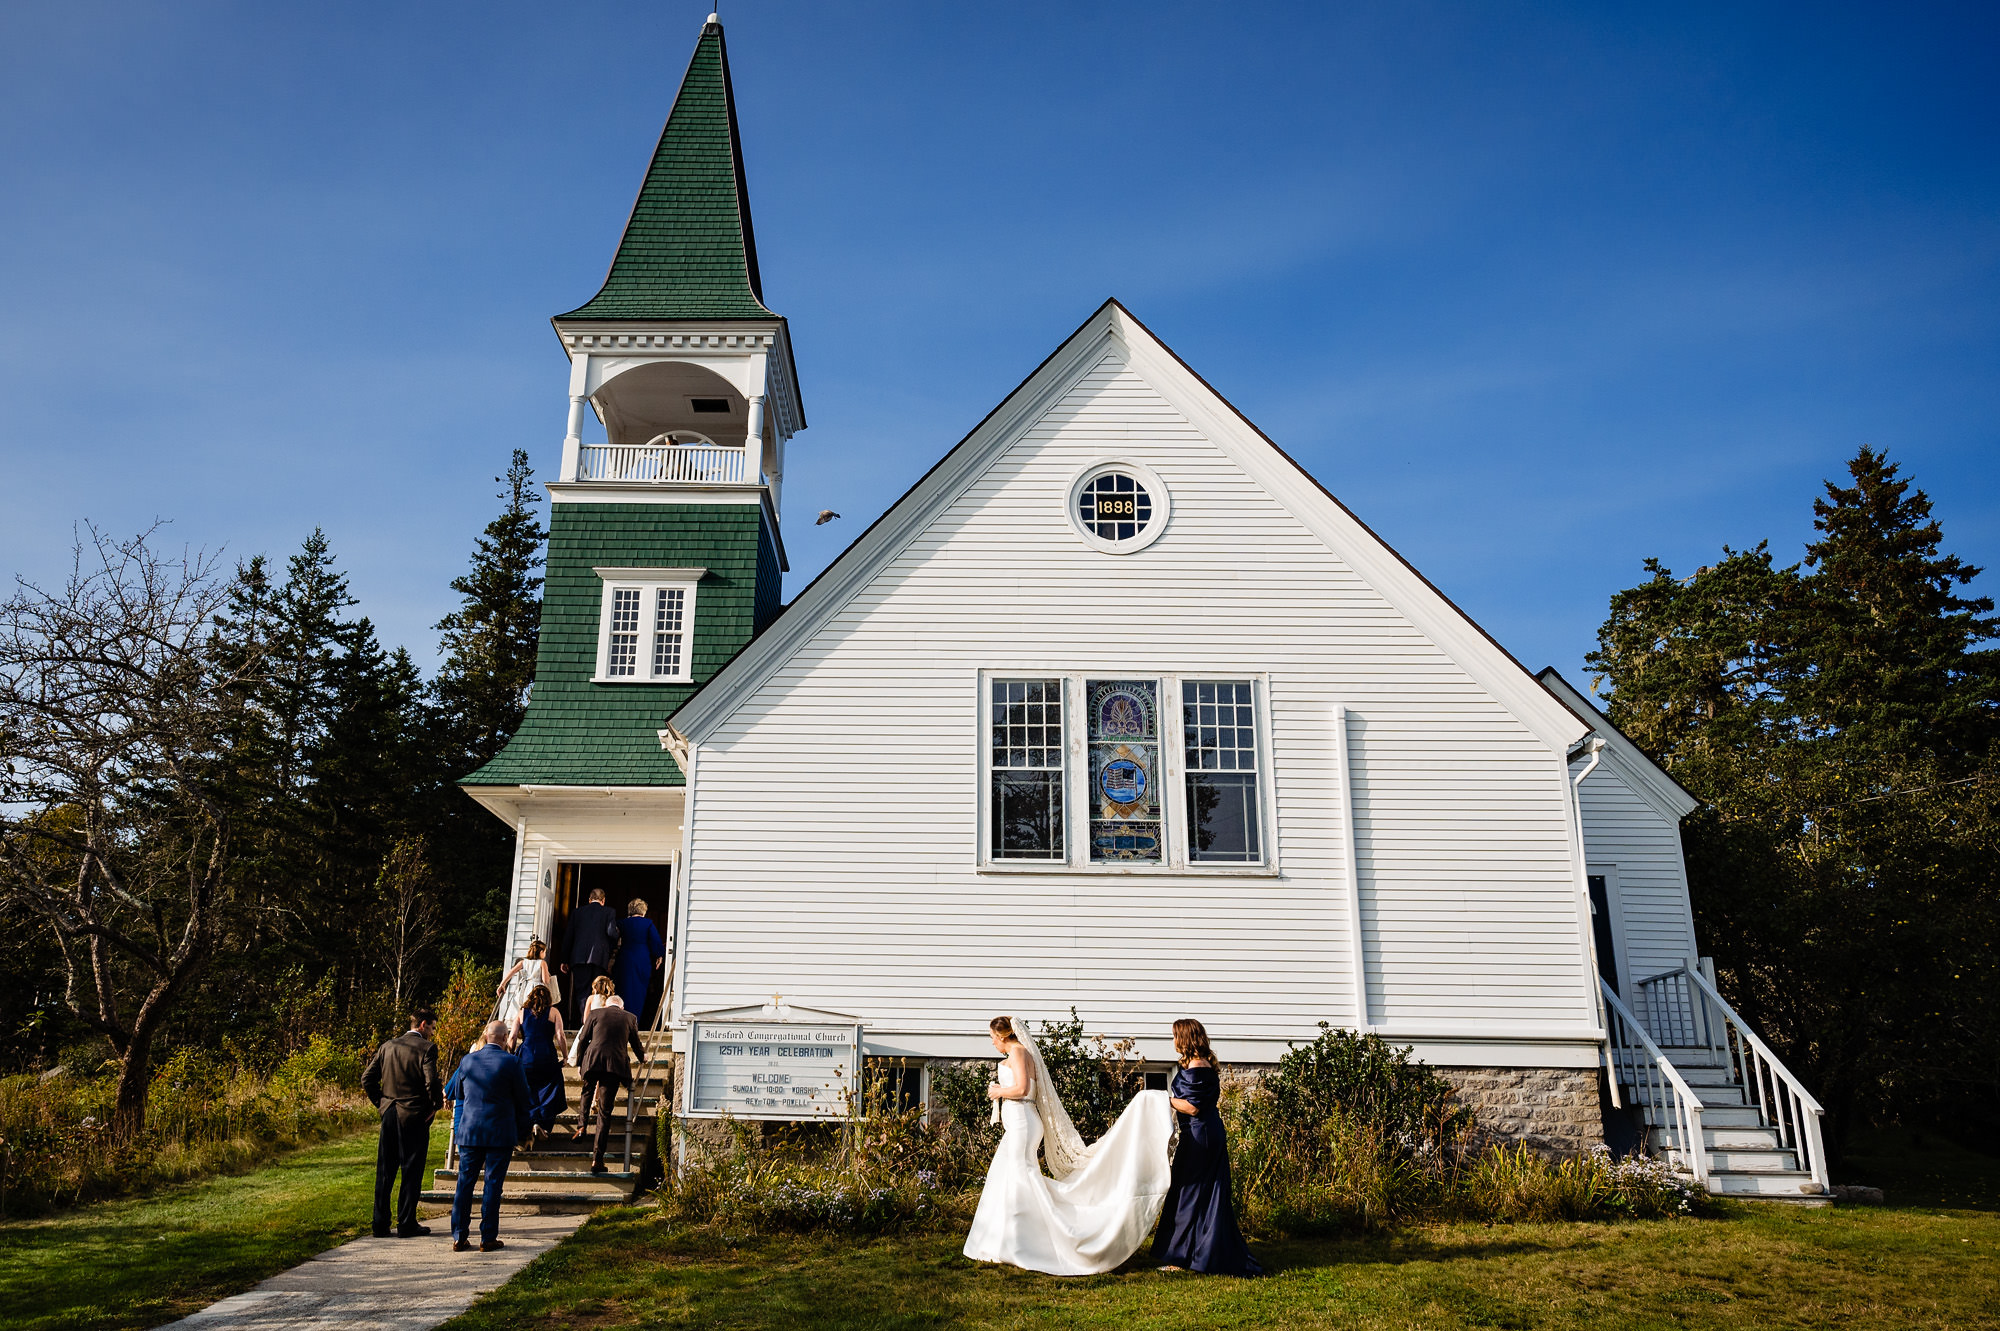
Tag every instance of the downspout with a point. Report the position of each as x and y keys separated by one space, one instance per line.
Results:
x=1593 y=746
x=673 y=995
x=514 y=892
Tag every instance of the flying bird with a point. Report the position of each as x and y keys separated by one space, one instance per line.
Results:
x=826 y=515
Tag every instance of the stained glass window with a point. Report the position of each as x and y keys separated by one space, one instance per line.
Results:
x=1219 y=726
x=1114 y=506
x=1124 y=740
x=669 y=608
x=622 y=656
x=1027 y=810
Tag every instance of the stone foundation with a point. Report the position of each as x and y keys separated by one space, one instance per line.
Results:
x=1554 y=1110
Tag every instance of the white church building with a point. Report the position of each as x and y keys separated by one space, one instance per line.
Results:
x=1117 y=708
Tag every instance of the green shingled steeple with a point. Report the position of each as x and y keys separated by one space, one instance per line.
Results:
x=688 y=251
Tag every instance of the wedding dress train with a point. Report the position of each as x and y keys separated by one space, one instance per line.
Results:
x=1101 y=1204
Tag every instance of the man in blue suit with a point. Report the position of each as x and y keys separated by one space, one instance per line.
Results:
x=490 y=1095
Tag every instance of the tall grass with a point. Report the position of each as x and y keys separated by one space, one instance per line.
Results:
x=888 y=1169
x=207 y=1114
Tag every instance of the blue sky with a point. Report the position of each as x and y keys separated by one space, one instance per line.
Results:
x=1538 y=290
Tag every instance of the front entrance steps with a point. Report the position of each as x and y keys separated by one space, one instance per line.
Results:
x=1745 y=1155
x=555 y=1179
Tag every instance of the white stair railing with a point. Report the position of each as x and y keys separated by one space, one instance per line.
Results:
x=1656 y=1087
x=1768 y=1086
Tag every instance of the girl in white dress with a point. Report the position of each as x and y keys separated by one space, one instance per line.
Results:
x=1101 y=1204
x=520 y=981
x=603 y=993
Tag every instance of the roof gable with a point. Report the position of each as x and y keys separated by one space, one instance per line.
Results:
x=689 y=251
x=1112 y=328
x=1641 y=773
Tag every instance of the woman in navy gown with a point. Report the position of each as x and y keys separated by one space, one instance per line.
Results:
x=538 y=1044
x=640 y=953
x=1198 y=1221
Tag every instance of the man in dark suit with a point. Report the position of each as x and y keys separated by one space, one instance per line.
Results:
x=588 y=941
x=401 y=1081
x=600 y=1054
x=491 y=1093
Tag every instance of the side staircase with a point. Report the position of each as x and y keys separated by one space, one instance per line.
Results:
x=1714 y=1101
x=557 y=1178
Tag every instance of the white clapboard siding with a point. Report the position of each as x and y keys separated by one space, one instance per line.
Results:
x=522 y=915
x=1625 y=832
x=836 y=813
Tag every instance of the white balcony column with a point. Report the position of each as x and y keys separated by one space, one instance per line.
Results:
x=573 y=440
x=753 y=432
x=579 y=395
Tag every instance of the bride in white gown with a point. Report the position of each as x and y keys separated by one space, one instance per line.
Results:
x=1105 y=1197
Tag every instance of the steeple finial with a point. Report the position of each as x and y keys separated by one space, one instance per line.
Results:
x=689 y=251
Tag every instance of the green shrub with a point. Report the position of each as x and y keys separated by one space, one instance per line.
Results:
x=958 y=1093
x=1363 y=1081
x=467 y=1005
x=1349 y=1132
x=1095 y=1077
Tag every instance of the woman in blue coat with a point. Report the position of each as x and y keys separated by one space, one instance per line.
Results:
x=640 y=953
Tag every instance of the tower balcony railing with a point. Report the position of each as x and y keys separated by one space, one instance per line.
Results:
x=667 y=464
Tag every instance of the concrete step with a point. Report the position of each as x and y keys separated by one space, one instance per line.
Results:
x=538 y=1203
x=559 y=1180
x=542 y=1162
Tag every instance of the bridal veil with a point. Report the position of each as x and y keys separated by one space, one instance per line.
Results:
x=1101 y=1203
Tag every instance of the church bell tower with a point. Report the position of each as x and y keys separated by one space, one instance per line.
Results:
x=665 y=547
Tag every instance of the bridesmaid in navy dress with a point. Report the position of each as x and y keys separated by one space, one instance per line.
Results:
x=1198 y=1221
x=538 y=1044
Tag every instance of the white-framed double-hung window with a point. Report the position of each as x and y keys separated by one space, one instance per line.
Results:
x=1025 y=814
x=1125 y=773
x=645 y=632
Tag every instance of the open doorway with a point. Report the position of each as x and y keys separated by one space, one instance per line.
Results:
x=621 y=883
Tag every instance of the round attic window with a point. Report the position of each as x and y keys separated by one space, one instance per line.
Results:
x=1118 y=507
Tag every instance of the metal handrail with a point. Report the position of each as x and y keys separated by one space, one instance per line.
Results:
x=1658 y=1084
x=1775 y=1091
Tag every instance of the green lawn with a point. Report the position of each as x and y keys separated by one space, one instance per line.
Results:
x=144 y=1261
x=1756 y=1267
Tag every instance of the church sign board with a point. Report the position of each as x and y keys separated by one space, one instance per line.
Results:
x=764 y=1066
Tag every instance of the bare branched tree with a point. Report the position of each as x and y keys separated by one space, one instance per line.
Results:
x=120 y=710
x=409 y=898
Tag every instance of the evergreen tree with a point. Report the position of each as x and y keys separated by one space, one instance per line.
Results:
x=1886 y=650
x=480 y=696
x=1836 y=719
x=489 y=641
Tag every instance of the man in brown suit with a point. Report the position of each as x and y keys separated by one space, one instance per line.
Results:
x=402 y=1081
x=600 y=1054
